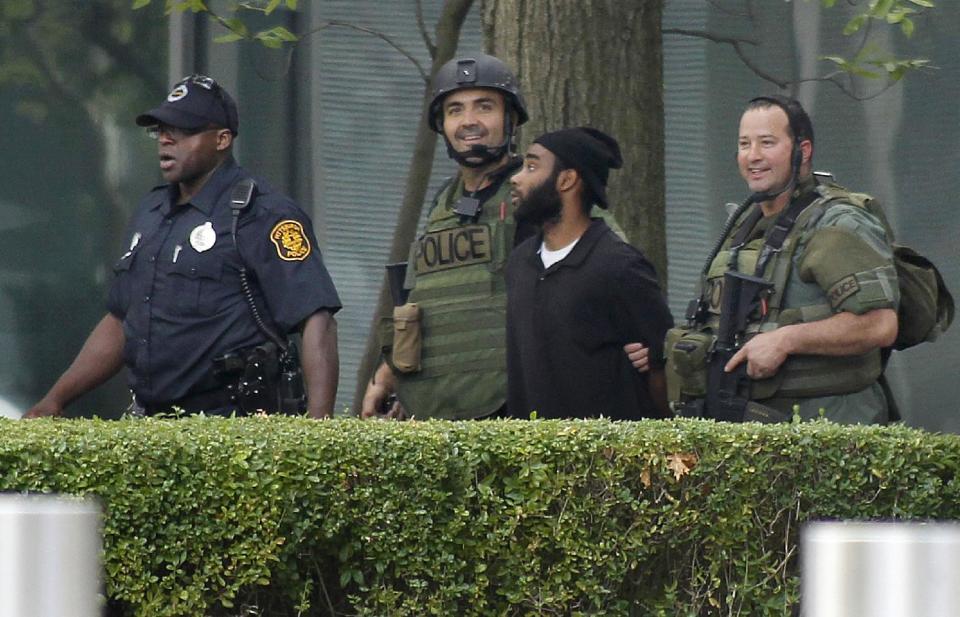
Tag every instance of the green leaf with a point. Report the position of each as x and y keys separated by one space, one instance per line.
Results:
x=861 y=72
x=907 y=27
x=835 y=59
x=272 y=43
x=285 y=35
x=272 y=6
x=854 y=24
x=139 y=4
x=828 y=4
x=292 y=5
x=275 y=37
x=236 y=25
x=229 y=38
x=197 y=6
x=927 y=4
x=881 y=8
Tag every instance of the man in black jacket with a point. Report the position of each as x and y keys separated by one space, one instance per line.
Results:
x=577 y=294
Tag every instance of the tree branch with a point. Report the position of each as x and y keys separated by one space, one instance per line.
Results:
x=431 y=48
x=336 y=24
x=380 y=35
x=710 y=36
x=738 y=46
x=750 y=64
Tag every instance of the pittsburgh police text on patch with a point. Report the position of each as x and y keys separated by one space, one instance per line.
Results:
x=290 y=240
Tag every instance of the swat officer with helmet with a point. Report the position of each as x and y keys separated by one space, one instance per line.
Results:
x=446 y=354
x=218 y=270
x=800 y=296
x=455 y=269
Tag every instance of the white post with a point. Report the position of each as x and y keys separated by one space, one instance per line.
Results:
x=896 y=569
x=49 y=557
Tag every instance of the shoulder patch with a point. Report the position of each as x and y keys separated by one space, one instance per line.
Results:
x=290 y=240
x=843 y=289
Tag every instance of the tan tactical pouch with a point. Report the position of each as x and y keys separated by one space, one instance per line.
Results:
x=687 y=351
x=407 y=340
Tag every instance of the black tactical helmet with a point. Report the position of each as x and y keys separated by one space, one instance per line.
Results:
x=475 y=71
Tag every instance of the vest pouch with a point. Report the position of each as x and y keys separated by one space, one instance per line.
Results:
x=687 y=352
x=407 y=340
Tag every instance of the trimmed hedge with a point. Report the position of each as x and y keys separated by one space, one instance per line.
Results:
x=287 y=516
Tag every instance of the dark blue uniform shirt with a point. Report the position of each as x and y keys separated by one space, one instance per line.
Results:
x=177 y=287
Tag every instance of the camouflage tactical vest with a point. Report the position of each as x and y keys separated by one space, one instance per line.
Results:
x=800 y=376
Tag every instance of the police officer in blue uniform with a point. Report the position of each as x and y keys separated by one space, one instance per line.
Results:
x=216 y=272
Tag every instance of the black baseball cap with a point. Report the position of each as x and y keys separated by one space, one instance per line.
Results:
x=195 y=102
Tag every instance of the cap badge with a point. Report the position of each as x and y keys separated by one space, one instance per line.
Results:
x=290 y=240
x=177 y=93
x=203 y=237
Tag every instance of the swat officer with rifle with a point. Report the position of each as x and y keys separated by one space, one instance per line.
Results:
x=799 y=299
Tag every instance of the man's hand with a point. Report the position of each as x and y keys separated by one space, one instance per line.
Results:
x=43 y=409
x=380 y=388
x=842 y=334
x=639 y=356
x=763 y=354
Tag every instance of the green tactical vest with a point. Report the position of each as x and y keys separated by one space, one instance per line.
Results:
x=461 y=292
x=800 y=376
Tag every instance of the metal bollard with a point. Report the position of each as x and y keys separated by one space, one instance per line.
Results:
x=895 y=569
x=49 y=557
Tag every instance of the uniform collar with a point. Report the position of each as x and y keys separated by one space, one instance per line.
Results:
x=220 y=181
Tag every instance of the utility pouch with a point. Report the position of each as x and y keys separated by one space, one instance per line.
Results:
x=926 y=306
x=687 y=352
x=407 y=339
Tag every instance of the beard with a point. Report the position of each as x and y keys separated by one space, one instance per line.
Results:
x=542 y=204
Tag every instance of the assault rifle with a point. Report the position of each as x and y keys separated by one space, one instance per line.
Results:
x=729 y=393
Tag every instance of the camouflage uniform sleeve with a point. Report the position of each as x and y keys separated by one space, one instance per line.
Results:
x=849 y=256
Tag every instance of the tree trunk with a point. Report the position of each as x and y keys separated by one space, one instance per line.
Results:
x=595 y=63
x=448 y=35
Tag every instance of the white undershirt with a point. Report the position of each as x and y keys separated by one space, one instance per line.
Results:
x=549 y=257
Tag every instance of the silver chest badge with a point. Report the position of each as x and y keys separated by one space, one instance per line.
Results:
x=203 y=237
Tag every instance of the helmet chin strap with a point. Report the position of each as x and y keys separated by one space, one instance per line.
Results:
x=479 y=155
